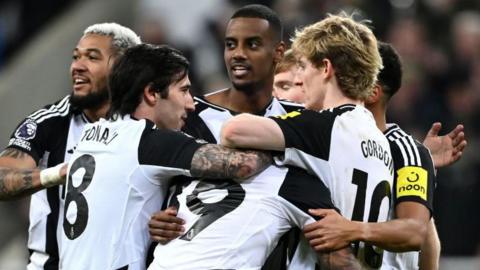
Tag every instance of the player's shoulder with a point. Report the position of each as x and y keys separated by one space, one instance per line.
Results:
x=57 y=110
x=202 y=104
x=342 y=109
x=406 y=147
x=395 y=133
x=287 y=106
x=335 y=111
x=50 y=117
x=329 y=114
x=150 y=131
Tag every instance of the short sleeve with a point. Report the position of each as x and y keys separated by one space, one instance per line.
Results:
x=29 y=137
x=167 y=148
x=308 y=131
x=415 y=181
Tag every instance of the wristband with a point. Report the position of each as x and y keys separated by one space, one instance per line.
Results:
x=51 y=176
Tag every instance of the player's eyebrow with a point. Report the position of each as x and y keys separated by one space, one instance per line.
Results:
x=96 y=50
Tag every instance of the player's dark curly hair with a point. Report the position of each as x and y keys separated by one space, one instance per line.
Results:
x=142 y=65
x=390 y=77
x=261 y=12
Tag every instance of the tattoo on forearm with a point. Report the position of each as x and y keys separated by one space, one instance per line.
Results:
x=13 y=153
x=216 y=161
x=14 y=183
x=340 y=259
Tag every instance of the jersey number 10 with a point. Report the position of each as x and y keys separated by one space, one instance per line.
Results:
x=360 y=178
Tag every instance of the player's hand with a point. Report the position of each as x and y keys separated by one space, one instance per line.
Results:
x=330 y=233
x=63 y=172
x=53 y=176
x=164 y=226
x=446 y=149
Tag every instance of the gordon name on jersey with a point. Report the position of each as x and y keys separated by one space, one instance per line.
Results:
x=372 y=148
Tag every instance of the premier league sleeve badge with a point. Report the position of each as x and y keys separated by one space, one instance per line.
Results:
x=27 y=130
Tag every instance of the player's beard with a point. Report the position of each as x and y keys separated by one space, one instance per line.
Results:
x=91 y=100
x=248 y=87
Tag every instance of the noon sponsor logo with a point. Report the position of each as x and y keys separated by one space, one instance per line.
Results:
x=412 y=181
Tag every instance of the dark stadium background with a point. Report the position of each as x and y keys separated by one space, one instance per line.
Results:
x=439 y=41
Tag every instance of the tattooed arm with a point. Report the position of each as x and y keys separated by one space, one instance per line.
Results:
x=339 y=259
x=15 y=183
x=216 y=161
x=19 y=177
x=14 y=158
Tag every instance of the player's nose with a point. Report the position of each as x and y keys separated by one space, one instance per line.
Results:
x=189 y=104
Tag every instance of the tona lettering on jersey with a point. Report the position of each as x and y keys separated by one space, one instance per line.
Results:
x=99 y=134
x=412 y=181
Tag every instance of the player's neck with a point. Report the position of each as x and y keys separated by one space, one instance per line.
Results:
x=335 y=97
x=240 y=101
x=379 y=113
x=95 y=114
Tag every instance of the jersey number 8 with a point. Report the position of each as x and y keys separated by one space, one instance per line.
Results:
x=85 y=164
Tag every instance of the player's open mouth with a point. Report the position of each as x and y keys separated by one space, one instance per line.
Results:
x=240 y=70
x=78 y=80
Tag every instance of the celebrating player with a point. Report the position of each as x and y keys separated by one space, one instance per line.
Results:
x=48 y=136
x=121 y=168
x=341 y=145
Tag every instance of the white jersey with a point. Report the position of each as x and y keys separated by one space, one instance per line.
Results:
x=205 y=123
x=117 y=179
x=350 y=155
x=232 y=225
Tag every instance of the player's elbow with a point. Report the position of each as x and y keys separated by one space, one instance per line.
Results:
x=246 y=171
x=231 y=134
x=253 y=163
x=417 y=237
x=227 y=136
x=415 y=243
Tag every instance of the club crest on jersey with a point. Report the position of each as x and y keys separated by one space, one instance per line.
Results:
x=27 y=130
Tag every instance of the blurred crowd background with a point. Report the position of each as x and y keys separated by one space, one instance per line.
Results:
x=438 y=40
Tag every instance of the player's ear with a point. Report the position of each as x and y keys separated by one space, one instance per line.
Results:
x=150 y=94
x=279 y=51
x=375 y=95
x=327 y=68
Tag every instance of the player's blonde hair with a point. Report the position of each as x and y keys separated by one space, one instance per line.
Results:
x=350 y=46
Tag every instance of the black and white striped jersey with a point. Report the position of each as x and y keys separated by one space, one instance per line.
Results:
x=117 y=178
x=236 y=225
x=49 y=136
x=344 y=148
x=205 y=123
x=207 y=119
x=414 y=180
